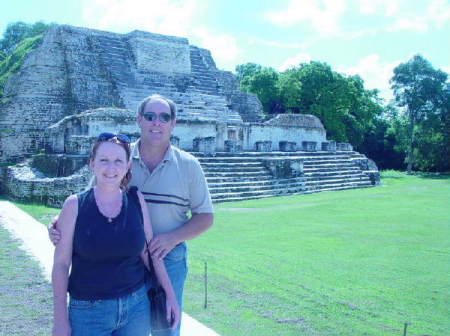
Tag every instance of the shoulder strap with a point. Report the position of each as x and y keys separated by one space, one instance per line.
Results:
x=132 y=192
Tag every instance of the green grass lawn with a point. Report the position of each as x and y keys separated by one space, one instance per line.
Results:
x=355 y=262
x=41 y=213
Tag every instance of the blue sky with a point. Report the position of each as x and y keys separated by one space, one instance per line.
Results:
x=365 y=37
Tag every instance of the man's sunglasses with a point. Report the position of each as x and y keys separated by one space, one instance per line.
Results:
x=152 y=116
x=106 y=136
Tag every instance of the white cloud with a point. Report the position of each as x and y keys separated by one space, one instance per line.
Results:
x=446 y=69
x=170 y=17
x=295 y=61
x=438 y=12
x=390 y=7
x=322 y=15
x=287 y=45
x=418 y=24
x=375 y=73
x=223 y=47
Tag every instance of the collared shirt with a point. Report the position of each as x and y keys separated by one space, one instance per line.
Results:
x=175 y=187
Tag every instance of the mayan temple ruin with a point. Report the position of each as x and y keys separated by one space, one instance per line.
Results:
x=80 y=82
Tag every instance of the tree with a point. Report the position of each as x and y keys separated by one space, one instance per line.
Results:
x=420 y=90
x=246 y=70
x=18 y=31
x=345 y=108
x=263 y=83
x=14 y=33
x=381 y=140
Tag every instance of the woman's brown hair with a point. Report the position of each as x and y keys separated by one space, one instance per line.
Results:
x=126 y=146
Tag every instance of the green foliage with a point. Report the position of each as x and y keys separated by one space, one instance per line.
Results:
x=263 y=83
x=14 y=61
x=18 y=31
x=19 y=39
x=423 y=93
x=345 y=108
x=417 y=126
x=246 y=70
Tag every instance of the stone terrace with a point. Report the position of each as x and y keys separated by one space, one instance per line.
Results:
x=242 y=176
x=230 y=176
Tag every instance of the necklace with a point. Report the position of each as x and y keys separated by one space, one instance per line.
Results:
x=109 y=210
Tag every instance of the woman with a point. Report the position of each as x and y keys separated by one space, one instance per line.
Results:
x=104 y=233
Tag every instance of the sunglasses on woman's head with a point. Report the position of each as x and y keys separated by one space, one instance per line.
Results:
x=152 y=116
x=106 y=136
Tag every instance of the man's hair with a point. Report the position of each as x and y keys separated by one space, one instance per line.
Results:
x=173 y=108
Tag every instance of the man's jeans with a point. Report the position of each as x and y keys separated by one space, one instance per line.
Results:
x=176 y=265
x=125 y=316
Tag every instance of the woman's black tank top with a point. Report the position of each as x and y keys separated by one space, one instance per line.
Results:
x=106 y=262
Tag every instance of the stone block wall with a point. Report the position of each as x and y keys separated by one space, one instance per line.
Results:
x=282 y=168
x=58 y=165
x=204 y=144
x=154 y=52
x=61 y=77
x=187 y=131
x=276 y=134
x=23 y=183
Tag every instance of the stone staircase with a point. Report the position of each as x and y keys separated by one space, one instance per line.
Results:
x=242 y=176
x=204 y=81
x=199 y=98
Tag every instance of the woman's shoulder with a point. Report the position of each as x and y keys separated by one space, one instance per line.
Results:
x=70 y=206
x=71 y=201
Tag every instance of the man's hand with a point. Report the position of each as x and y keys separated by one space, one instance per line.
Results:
x=162 y=244
x=53 y=234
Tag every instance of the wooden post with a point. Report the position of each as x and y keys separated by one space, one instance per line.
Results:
x=206 y=285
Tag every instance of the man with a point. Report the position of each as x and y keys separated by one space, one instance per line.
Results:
x=173 y=183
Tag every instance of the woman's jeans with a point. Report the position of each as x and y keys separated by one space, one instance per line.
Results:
x=125 y=316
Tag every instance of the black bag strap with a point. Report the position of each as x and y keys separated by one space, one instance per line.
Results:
x=132 y=191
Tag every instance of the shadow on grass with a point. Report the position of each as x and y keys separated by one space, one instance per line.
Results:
x=395 y=174
x=433 y=176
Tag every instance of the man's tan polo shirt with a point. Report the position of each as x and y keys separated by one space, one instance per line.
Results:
x=175 y=187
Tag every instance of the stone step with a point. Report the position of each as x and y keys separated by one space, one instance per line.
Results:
x=275 y=154
x=243 y=189
x=310 y=182
x=329 y=169
x=255 y=183
x=239 y=178
x=207 y=165
x=332 y=173
x=324 y=185
x=271 y=192
x=337 y=175
x=231 y=169
x=237 y=198
x=323 y=162
x=244 y=175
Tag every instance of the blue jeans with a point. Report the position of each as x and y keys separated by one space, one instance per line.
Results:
x=176 y=266
x=125 y=316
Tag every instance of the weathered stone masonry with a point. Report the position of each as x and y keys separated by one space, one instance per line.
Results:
x=81 y=82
